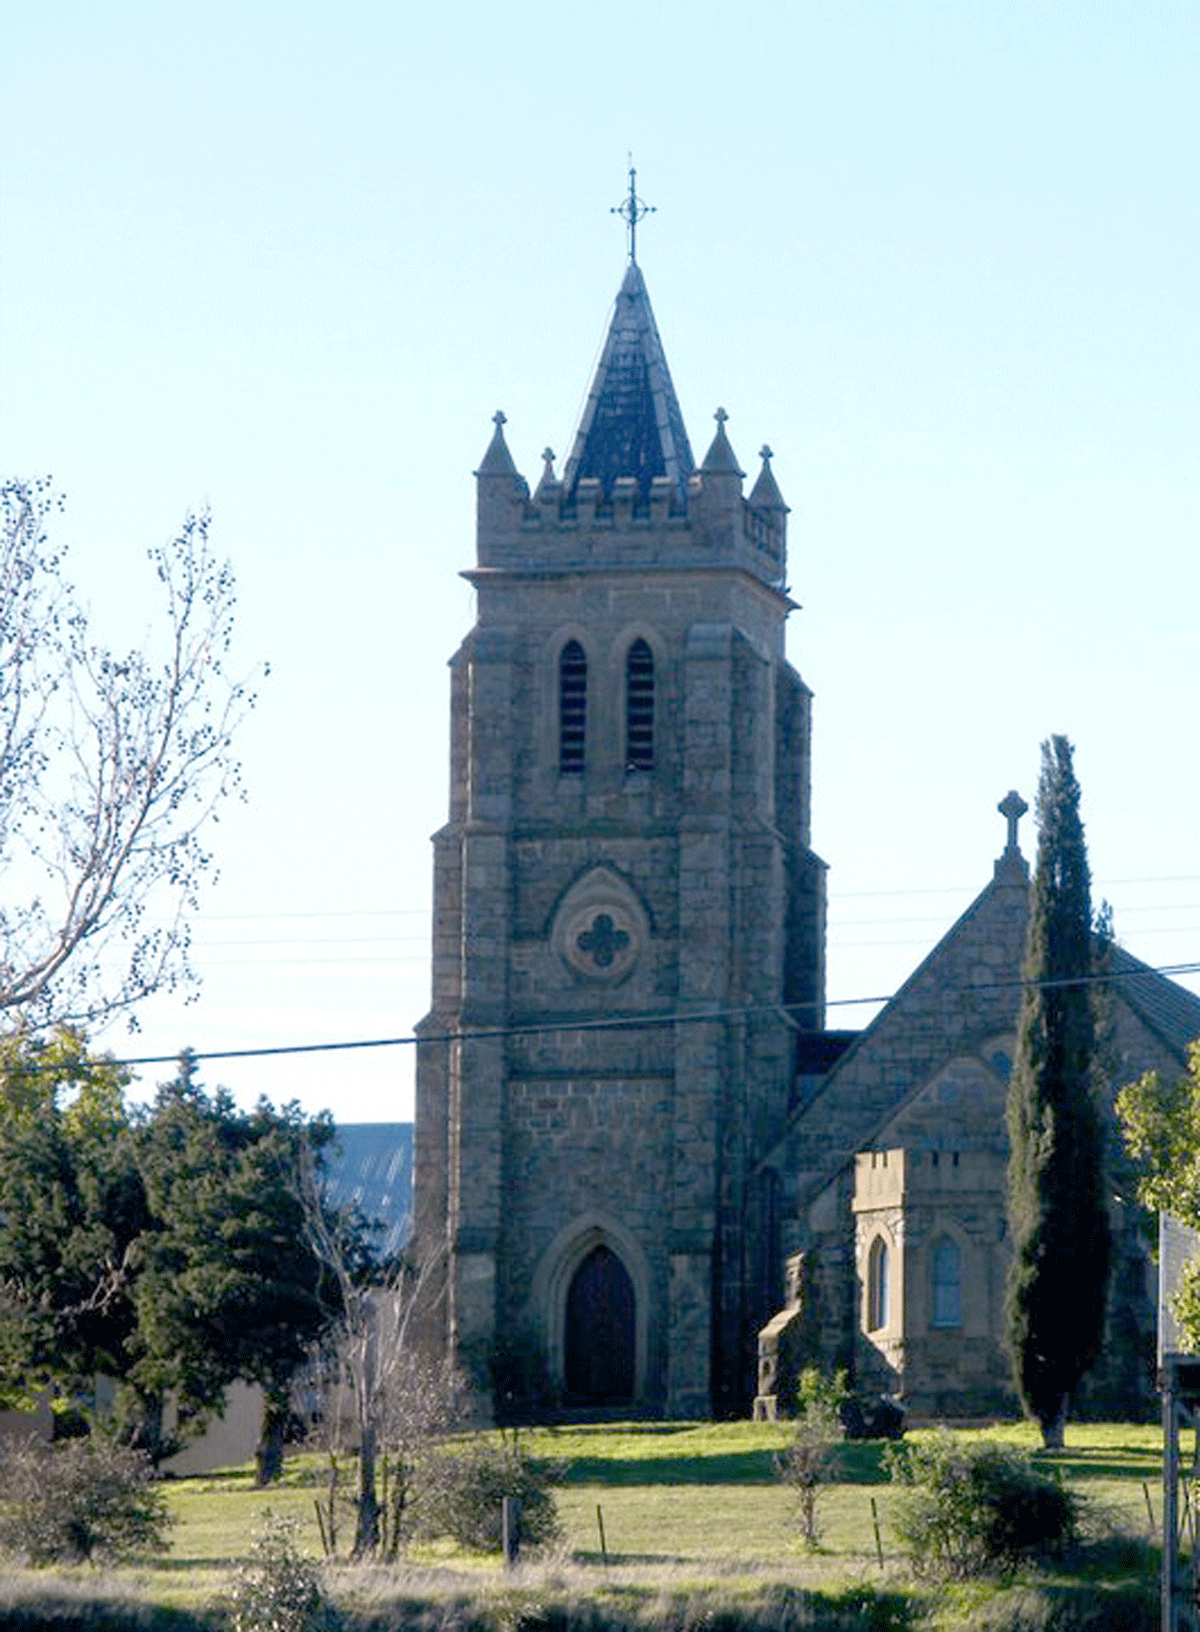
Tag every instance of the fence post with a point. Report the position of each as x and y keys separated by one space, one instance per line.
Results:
x=510 y=1530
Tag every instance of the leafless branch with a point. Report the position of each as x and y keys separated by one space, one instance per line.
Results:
x=111 y=766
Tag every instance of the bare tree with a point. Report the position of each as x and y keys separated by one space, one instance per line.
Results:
x=111 y=764
x=397 y=1398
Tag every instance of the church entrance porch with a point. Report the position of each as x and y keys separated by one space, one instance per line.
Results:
x=599 y=1352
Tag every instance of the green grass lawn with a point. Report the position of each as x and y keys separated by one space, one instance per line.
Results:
x=686 y=1508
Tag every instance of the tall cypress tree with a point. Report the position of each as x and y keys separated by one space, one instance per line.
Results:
x=1058 y=1216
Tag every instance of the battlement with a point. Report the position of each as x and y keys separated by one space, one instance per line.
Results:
x=706 y=521
x=889 y=1178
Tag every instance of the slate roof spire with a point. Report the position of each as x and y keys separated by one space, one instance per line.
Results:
x=631 y=424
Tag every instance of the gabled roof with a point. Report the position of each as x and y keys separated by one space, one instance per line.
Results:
x=1171 y=1012
x=964 y=992
x=632 y=424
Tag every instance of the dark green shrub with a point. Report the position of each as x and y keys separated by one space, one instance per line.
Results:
x=463 y=1492
x=971 y=1509
x=82 y=1499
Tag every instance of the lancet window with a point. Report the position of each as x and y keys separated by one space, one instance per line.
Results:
x=878 y=1289
x=947 y=1282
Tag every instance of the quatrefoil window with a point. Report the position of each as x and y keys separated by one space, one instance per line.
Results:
x=600 y=928
x=603 y=941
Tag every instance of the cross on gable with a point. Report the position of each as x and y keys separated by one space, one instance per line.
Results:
x=1012 y=807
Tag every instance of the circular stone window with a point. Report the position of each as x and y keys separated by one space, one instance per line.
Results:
x=602 y=942
x=600 y=929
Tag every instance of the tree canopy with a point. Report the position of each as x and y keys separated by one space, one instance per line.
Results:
x=73 y=1211
x=166 y=1247
x=1161 y=1126
x=230 y=1285
x=1057 y=1204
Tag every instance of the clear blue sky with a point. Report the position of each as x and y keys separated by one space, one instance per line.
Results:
x=286 y=260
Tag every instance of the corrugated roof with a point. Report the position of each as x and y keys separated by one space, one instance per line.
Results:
x=370 y=1168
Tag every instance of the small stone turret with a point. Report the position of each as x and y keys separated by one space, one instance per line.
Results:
x=499 y=485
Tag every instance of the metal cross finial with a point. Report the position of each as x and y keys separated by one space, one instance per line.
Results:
x=631 y=212
x=720 y=416
x=1012 y=807
x=499 y=418
x=765 y=453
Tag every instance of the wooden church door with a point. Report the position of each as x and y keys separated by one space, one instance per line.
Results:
x=600 y=1334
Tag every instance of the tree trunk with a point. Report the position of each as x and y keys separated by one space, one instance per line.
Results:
x=143 y=1427
x=1054 y=1429
x=268 y=1454
x=366 y=1535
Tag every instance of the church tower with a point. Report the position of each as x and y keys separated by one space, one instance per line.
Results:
x=628 y=920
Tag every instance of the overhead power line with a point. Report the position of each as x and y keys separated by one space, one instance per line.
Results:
x=624 y=1022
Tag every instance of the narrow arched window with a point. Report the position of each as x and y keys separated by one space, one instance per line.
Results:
x=572 y=708
x=639 y=708
x=877 y=1285
x=947 y=1282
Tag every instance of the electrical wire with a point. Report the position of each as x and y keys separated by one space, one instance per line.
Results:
x=628 y=1022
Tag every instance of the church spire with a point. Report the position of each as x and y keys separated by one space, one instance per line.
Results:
x=632 y=424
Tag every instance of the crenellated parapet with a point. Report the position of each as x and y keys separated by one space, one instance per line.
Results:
x=703 y=521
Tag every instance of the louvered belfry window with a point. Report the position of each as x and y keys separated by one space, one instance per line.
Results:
x=639 y=708
x=572 y=709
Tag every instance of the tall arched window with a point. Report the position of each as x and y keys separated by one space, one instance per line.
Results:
x=877 y=1285
x=639 y=708
x=947 y=1282
x=572 y=708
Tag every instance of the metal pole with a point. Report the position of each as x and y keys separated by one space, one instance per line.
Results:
x=1170 y=1422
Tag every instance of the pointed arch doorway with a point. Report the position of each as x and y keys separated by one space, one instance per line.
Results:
x=600 y=1332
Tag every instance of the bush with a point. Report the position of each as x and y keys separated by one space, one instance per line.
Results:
x=972 y=1509
x=464 y=1489
x=277 y=1589
x=810 y=1459
x=79 y=1500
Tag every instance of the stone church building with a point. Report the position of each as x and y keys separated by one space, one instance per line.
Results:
x=629 y=1112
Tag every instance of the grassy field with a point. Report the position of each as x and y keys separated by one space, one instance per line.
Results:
x=695 y=1524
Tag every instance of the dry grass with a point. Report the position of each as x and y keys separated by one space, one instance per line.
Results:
x=698 y=1532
